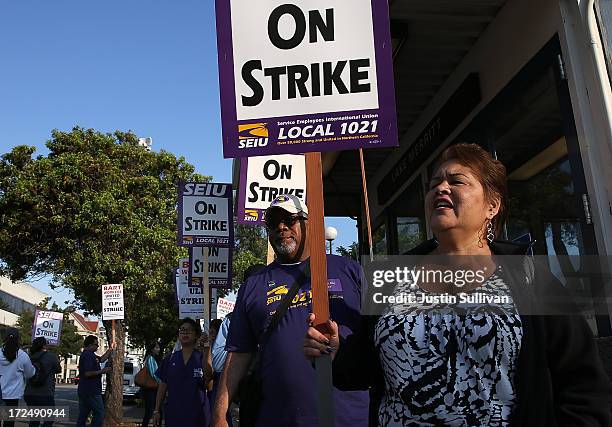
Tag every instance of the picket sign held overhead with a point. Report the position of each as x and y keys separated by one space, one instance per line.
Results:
x=112 y=302
x=219 y=266
x=300 y=77
x=265 y=177
x=190 y=294
x=205 y=215
x=48 y=324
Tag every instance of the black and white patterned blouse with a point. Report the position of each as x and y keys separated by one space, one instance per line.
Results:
x=450 y=367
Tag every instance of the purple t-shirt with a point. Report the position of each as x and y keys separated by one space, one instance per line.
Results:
x=89 y=386
x=288 y=377
x=186 y=403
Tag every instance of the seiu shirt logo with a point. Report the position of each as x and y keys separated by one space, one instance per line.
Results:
x=334 y=286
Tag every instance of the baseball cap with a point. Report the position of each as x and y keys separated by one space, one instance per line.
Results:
x=290 y=203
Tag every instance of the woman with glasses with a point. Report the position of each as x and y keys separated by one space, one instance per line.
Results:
x=184 y=375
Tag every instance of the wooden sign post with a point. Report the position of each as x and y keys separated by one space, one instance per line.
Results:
x=113 y=332
x=318 y=280
x=206 y=292
x=316 y=237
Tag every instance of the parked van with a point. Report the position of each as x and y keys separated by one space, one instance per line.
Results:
x=130 y=369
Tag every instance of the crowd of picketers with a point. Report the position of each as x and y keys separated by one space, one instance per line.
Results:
x=501 y=365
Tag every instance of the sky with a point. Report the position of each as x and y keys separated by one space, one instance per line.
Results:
x=149 y=66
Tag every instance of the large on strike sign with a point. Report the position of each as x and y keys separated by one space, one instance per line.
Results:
x=112 y=302
x=304 y=76
x=48 y=324
x=205 y=215
x=263 y=178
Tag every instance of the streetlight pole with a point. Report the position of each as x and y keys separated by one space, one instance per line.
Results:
x=330 y=235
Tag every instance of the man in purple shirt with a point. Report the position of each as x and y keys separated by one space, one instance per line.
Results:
x=90 y=382
x=288 y=379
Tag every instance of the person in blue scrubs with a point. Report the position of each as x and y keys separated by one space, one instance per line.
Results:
x=184 y=375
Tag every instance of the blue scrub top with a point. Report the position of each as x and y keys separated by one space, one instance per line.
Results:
x=186 y=402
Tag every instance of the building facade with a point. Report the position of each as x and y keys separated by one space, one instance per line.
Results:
x=15 y=298
x=529 y=82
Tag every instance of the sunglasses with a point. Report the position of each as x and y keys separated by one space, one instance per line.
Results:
x=273 y=221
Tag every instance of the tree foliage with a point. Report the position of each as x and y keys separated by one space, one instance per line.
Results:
x=251 y=247
x=351 y=252
x=97 y=209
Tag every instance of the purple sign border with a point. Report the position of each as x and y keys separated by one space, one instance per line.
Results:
x=228 y=282
x=180 y=237
x=387 y=129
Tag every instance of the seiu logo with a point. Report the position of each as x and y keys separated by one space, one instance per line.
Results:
x=252 y=135
x=251 y=215
x=276 y=294
x=279 y=290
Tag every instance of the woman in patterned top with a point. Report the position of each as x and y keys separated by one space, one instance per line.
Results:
x=483 y=365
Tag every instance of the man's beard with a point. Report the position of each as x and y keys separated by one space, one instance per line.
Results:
x=285 y=248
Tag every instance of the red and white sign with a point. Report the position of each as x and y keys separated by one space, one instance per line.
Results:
x=112 y=302
x=224 y=307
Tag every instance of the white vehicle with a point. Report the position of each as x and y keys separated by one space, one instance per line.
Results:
x=130 y=369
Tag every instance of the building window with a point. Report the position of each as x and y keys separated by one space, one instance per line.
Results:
x=379 y=240
x=409 y=218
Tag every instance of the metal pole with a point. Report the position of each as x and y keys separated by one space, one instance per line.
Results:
x=367 y=204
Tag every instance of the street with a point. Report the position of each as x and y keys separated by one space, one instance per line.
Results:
x=66 y=395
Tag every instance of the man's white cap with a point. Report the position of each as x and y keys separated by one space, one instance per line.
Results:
x=290 y=203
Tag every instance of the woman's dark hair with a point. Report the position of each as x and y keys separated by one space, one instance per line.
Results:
x=150 y=349
x=490 y=172
x=89 y=340
x=11 y=344
x=38 y=344
x=196 y=325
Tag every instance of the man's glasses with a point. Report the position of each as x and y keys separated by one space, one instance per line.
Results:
x=186 y=331
x=289 y=220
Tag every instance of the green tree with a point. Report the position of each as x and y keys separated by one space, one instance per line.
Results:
x=97 y=209
x=250 y=247
x=351 y=252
